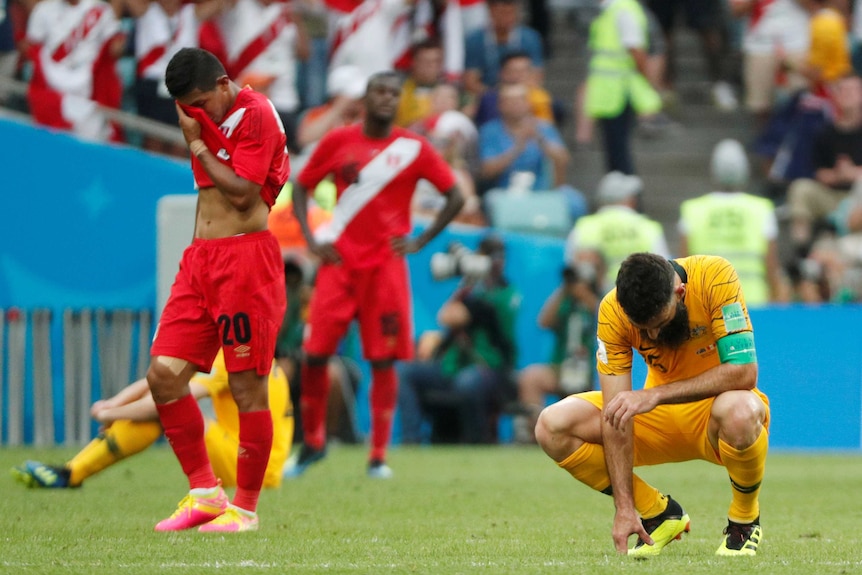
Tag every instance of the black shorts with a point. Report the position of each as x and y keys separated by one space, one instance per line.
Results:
x=152 y=105
x=699 y=14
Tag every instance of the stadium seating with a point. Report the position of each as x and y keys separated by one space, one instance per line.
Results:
x=544 y=212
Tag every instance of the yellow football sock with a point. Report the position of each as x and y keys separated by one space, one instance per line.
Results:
x=122 y=439
x=648 y=500
x=745 y=468
x=587 y=465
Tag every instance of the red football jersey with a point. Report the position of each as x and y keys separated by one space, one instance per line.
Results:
x=375 y=179
x=251 y=140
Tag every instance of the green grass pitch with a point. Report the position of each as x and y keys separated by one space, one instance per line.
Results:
x=452 y=510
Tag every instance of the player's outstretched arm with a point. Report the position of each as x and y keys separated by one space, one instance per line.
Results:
x=142 y=409
x=128 y=394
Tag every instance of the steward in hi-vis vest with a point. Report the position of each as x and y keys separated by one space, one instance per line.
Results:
x=613 y=78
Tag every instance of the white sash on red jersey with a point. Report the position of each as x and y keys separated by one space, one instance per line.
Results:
x=259 y=44
x=156 y=52
x=362 y=37
x=88 y=22
x=373 y=178
x=64 y=94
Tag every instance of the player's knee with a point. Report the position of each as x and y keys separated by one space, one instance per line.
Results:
x=549 y=425
x=165 y=378
x=740 y=415
x=542 y=432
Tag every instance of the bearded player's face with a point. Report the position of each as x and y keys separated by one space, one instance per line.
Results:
x=670 y=327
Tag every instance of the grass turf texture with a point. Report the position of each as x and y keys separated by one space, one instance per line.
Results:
x=448 y=510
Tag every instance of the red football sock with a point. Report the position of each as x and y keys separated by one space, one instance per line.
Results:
x=184 y=429
x=384 y=395
x=314 y=396
x=255 y=444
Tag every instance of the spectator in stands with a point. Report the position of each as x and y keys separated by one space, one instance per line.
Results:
x=834 y=264
x=313 y=17
x=359 y=37
x=740 y=227
x=516 y=67
x=829 y=54
x=616 y=230
x=707 y=18
x=856 y=38
x=617 y=86
x=162 y=27
x=426 y=73
x=832 y=269
x=474 y=15
x=837 y=155
x=454 y=136
x=784 y=146
x=263 y=46
x=520 y=142
x=432 y=21
x=485 y=49
x=570 y=314
x=74 y=46
x=345 y=87
x=8 y=50
x=444 y=98
x=469 y=366
x=776 y=38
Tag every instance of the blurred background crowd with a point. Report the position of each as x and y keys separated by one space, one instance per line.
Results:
x=731 y=127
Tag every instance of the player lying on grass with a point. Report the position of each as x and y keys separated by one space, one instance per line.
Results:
x=131 y=424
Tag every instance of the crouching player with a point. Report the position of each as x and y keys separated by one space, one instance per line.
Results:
x=688 y=320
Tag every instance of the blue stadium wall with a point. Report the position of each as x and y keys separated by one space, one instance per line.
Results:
x=80 y=231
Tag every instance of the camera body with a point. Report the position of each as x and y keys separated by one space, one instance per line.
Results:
x=459 y=261
x=582 y=271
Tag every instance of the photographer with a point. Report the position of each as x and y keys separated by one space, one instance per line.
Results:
x=466 y=371
x=570 y=313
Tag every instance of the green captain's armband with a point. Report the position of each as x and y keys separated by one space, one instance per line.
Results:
x=737 y=348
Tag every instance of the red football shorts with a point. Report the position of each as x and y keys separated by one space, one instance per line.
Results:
x=378 y=297
x=228 y=293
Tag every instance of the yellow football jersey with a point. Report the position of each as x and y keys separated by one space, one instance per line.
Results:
x=716 y=308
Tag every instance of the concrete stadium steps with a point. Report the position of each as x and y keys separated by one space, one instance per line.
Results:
x=673 y=165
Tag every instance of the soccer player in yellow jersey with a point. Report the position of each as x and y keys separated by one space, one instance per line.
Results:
x=131 y=424
x=688 y=320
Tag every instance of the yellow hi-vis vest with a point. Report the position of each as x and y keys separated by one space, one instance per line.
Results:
x=613 y=79
x=732 y=227
x=616 y=234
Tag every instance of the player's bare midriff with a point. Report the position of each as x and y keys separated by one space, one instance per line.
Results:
x=218 y=218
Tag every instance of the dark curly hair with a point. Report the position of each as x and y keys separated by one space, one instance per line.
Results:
x=190 y=69
x=644 y=286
